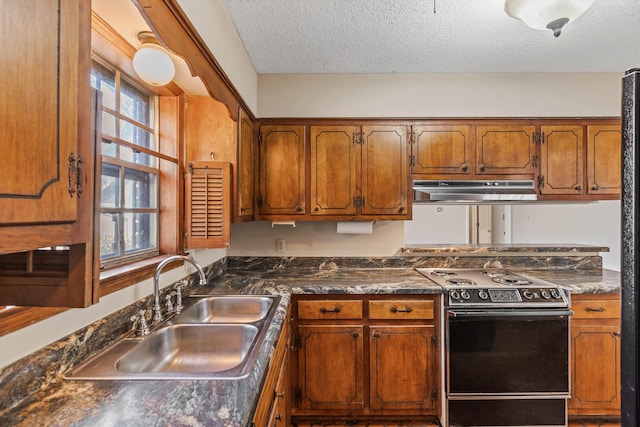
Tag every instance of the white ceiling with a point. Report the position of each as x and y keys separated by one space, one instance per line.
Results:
x=406 y=36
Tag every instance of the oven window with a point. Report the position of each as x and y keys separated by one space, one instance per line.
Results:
x=508 y=354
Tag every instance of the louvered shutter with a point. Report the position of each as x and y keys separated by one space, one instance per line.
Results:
x=208 y=205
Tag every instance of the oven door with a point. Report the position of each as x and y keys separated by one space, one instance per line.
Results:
x=520 y=352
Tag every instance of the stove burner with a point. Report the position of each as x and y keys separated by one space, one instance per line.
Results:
x=460 y=281
x=495 y=273
x=511 y=280
x=440 y=273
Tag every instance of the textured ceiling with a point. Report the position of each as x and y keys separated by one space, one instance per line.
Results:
x=406 y=36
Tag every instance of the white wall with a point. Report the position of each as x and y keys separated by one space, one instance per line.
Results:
x=318 y=238
x=436 y=224
x=213 y=22
x=439 y=95
x=589 y=224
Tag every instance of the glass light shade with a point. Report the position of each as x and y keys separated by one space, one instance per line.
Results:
x=546 y=14
x=153 y=65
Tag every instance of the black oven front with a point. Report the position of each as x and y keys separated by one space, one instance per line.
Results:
x=507 y=367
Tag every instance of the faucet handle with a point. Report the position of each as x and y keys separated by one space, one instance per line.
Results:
x=169 y=304
x=178 y=293
x=140 y=325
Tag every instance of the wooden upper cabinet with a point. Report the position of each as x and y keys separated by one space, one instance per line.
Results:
x=442 y=149
x=44 y=75
x=385 y=182
x=334 y=173
x=282 y=170
x=505 y=150
x=246 y=167
x=561 y=160
x=208 y=205
x=604 y=145
x=211 y=135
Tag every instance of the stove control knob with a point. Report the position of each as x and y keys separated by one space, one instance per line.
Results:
x=545 y=294
x=556 y=294
x=483 y=294
x=465 y=294
x=454 y=294
x=527 y=294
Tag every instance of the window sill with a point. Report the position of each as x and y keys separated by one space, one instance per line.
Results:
x=117 y=278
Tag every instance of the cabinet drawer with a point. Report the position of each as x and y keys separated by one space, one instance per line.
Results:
x=596 y=309
x=330 y=309
x=401 y=309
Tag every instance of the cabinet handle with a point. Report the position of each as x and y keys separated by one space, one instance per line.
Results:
x=398 y=310
x=595 y=187
x=279 y=417
x=594 y=310
x=71 y=188
x=280 y=394
x=483 y=168
x=79 y=176
x=332 y=310
x=465 y=168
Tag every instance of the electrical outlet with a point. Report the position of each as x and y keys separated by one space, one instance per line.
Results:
x=280 y=245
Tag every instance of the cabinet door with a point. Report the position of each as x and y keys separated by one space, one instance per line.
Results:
x=208 y=205
x=330 y=364
x=604 y=144
x=402 y=367
x=595 y=382
x=44 y=75
x=246 y=166
x=385 y=182
x=333 y=170
x=562 y=160
x=505 y=150
x=443 y=149
x=282 y=170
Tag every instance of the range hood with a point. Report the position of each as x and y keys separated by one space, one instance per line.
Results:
x=473 y=191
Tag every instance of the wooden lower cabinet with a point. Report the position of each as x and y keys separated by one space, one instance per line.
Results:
x=365 y=358
x=273 y=409
x=595 y=356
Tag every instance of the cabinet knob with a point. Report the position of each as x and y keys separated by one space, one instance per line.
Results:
x=465 y=168
x=279 y=417
x=299 y=209
x=578 y=187
x=280 y=394
x=483 y=168
x=595 y=187
x=242 y=210
x=401 y=209
x=316 y=209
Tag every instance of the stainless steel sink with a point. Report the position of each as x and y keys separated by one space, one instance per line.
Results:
x=227 y=309
x=218 y=337
x=192 y=349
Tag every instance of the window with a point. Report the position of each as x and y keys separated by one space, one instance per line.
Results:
x=130 y=163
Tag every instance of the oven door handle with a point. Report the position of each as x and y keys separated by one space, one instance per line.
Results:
x=515 y=313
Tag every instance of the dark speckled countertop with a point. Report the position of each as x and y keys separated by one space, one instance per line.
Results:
x=228 y=403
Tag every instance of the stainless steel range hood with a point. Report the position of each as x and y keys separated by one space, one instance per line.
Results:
x=473 y=191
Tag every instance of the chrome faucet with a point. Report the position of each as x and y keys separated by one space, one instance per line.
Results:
x=157 y=310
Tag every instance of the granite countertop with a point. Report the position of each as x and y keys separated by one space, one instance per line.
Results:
x=230 y=403
x=468 y=249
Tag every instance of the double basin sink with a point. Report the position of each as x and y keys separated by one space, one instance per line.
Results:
x=218 y=337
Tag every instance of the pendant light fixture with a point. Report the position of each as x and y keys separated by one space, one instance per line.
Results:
x=152 y=62
x=546 y=14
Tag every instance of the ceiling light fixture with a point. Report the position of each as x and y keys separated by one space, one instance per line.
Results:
x=546 y=14
x=152 y=62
